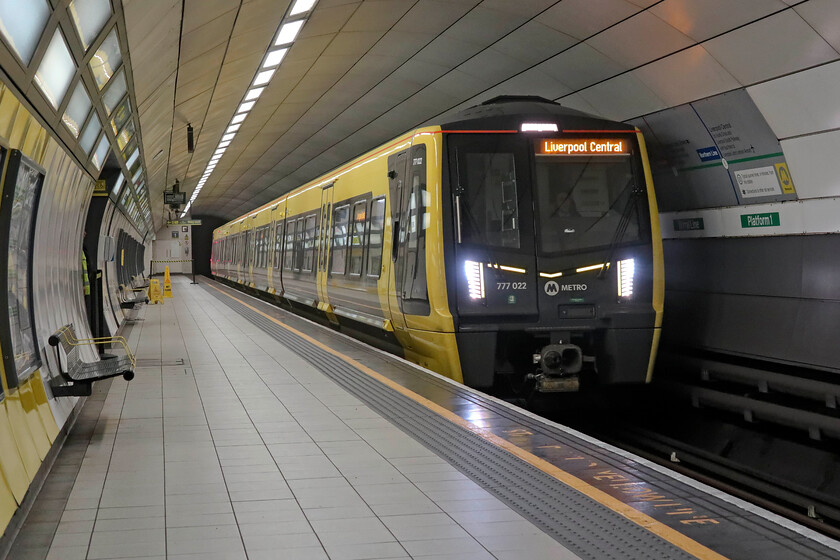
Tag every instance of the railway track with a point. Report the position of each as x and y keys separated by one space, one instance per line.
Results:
x=769 y=435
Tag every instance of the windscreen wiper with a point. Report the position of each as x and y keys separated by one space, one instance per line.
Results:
x=623 y=222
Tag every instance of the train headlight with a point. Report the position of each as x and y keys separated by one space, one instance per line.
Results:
x=626 y=271
x=475 y=279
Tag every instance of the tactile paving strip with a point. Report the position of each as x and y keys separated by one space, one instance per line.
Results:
x=581 y=524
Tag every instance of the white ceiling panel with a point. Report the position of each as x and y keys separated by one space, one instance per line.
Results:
x=639 y=40
x=583 y=18
x=773 y=46
x=824 y=17
x=581 y=66
x=801 y=103
x=622 y=98
x=702 y=20
x=700 y=76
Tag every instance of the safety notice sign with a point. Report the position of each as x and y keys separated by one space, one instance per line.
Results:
x=759 y=181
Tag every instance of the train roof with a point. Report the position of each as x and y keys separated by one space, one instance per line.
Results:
x=508 y=112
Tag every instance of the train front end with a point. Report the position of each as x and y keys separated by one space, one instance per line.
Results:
x=554 y=256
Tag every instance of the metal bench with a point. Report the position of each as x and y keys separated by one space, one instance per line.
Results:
x=80 y=374
x=129 y=297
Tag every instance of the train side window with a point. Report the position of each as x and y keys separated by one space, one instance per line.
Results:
x=278 y=244
x=309 y=243
x=374 y=240
x=357 y=237
x=339 y=239
x=263 y=246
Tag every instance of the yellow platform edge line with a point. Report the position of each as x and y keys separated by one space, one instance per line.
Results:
x=658 y=528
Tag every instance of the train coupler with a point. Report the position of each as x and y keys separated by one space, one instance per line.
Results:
x=554 y=384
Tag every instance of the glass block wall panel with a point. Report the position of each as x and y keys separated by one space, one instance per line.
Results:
x=115 y=93
x=77 y=110
x=101 y=152
x=107 y=60
x=21 y=23
x=89 y=16
x=56 y=70
x=90 y=134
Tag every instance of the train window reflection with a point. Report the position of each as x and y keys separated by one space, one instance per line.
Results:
x=309 y=244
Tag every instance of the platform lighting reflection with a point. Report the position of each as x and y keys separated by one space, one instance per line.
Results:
x=287 y=33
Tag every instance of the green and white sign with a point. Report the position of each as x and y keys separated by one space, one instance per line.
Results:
x=183 y=223
x=767 y=219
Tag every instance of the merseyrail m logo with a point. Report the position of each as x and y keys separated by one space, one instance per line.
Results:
x=551 y=288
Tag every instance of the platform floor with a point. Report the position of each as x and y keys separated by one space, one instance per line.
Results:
x=230 y=444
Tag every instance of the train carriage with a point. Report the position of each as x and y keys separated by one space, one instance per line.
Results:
x=517 y=240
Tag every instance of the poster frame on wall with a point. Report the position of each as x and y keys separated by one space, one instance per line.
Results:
x=18 y=363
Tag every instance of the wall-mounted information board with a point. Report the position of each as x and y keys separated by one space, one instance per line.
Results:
x=715 y=152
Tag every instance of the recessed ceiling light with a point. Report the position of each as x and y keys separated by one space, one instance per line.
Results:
x=302 y=6
x=274 y=58
x=288 y=32
x=238 y=118
x=253 y=93
x=228 y=137
x=232 y=128
x=263 y=77
x=245 y=107
x=224 y=144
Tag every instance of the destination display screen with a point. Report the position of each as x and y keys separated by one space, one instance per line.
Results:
x=582 y=147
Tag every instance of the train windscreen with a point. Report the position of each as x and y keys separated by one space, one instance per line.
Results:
x=582 y=201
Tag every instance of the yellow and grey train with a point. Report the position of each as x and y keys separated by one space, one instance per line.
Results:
x=516 y=242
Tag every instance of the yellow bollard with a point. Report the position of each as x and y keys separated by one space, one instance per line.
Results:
x=155 y=295
x=167 y=283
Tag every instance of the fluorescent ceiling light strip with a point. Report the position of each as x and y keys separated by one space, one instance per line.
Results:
x=238 y=118
x=227 y=137
x=232 y=128
x=245 y=107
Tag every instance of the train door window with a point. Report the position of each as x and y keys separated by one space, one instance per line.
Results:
x=339 y=239
x=298 y=262
x=374 y=241
x=249 y=248
x=278 y=244
x=309 y=243
x=289 y=249
x=357 y=237
x=417 y=220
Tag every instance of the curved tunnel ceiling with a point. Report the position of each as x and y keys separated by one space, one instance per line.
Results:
x=362 y=72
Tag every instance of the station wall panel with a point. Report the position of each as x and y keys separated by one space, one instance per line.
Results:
x=814 y=164
x=769 y=298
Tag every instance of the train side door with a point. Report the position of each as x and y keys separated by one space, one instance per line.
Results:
x=396 y=187
x=324 y=236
